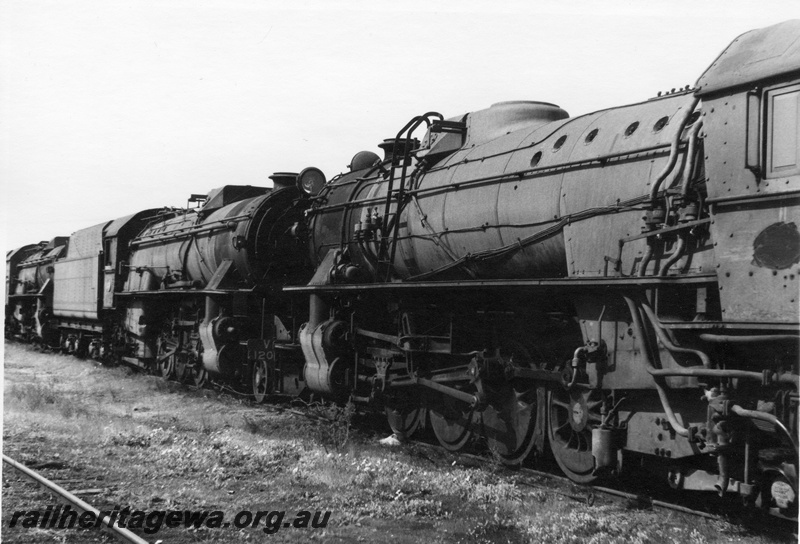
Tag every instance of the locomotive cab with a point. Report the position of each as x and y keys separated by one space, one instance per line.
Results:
x=751 y=116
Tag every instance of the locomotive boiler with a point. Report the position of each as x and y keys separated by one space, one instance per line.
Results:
x=200 y=286
x=604 y=289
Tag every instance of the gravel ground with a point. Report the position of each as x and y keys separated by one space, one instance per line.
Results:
x=122 y=439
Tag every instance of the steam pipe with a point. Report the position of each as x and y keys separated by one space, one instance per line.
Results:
x=673 y=152
x=658 y=377
x=369 y=257
x=659 y=381
x=751 y=339
x=764 y=416
x=725 y=373
x=576 y=361
x=646 y=258
x=676 y=255
x=707 y=371
x=317 y=310
x=692 y=157
x=724 y=474
x=668 y=343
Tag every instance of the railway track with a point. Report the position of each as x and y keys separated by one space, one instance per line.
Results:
x=121 y=534
x=584 y=493
x=525 y=476
x=587 y=494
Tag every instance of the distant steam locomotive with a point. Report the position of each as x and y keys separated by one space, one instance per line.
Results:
x=611 y=288
x=182 y=292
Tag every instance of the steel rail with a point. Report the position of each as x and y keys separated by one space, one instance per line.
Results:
x=123 y=535
x=590 y=489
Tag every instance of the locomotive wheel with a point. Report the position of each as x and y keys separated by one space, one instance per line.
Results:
x=167 y=367
x=182 y=370
x=571 y=416
x=197 y=370
x=165 y=360
x=511 y=422
x=451 y=421
x=260 y=381
x=404 y=413
x=199 y=375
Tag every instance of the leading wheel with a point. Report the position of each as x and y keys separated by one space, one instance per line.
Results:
x=571 y=417
x=260 y=381
x=451 y=421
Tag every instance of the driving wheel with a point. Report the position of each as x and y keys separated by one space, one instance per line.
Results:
x=452 y=422
x=405 y=413
x=571 y=417
x=512 y=422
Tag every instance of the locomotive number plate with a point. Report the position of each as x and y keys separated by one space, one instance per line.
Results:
x=260 y=350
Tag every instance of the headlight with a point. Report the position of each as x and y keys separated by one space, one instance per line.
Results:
x=311 y=181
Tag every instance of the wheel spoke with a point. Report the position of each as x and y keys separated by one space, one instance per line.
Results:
x=509 y=423
x=571 y=415
x=594 y=405
x=404 y=413
x=565 y=405
x=593 y=416
x=564 y=430
x=199 y=375
x=260 y=381
x=584 y=442
x=451 y=421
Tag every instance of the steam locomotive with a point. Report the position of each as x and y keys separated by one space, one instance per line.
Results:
x=610 y=289
x=185 y=293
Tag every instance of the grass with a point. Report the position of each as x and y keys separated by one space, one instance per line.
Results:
x=157 y=445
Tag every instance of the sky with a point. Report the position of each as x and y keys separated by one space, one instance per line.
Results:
x=111 y=107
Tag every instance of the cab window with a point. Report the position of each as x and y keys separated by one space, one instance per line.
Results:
x=783 y=131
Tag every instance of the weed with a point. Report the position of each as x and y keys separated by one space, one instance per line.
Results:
x=131 y=440
x=69 y=407
x=250 y=425
x=152 y=447
x=114 y=393
x=333 y=428
x=494 y=529
x=161 y=385
x=206 y=427
x=35 y=395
